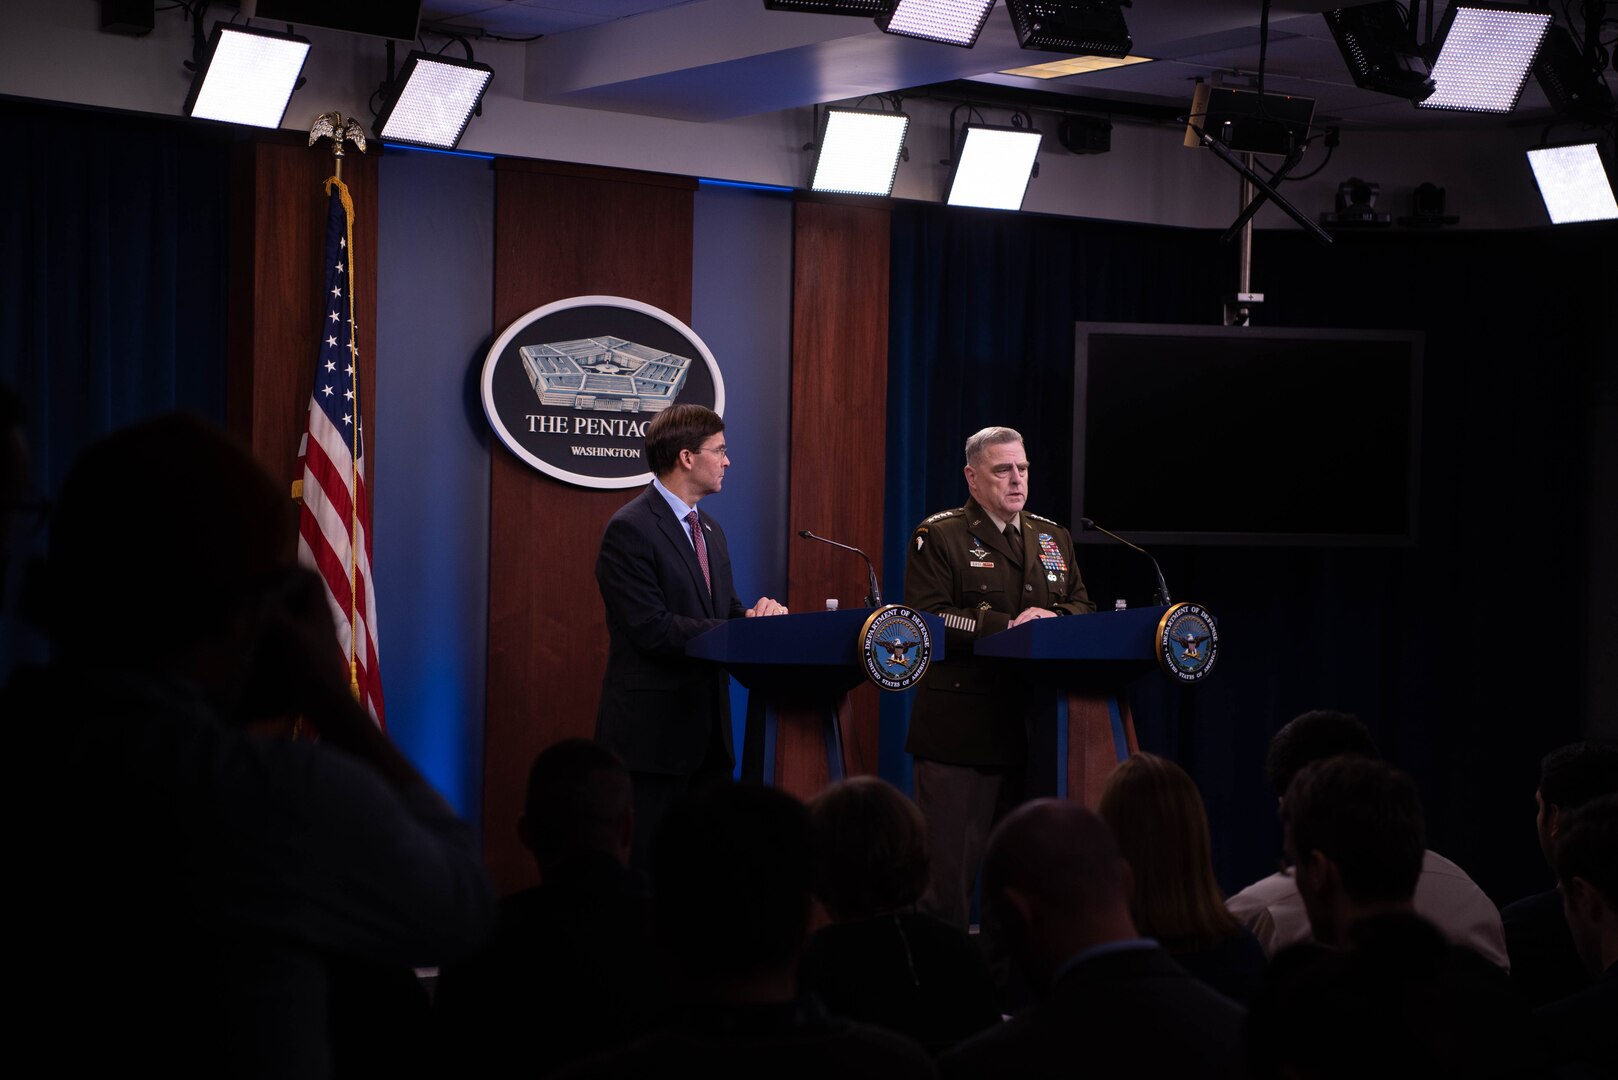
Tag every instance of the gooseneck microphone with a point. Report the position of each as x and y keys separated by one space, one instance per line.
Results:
x=873 y=600
x=1162 y=596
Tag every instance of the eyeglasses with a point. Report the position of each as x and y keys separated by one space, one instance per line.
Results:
x=721 y=450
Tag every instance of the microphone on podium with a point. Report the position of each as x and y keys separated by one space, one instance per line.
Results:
x=1162 y=597
x=875 y=598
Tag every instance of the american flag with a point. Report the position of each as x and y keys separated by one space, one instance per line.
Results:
x=334 y=527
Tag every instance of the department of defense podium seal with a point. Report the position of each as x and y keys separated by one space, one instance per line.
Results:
x=896 y=647
x=1187 y=642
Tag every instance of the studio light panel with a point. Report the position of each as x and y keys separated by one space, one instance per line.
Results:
x=435 y=102
x=1574 y=183
x=993 y=167
x=247 y=77
x=859 y=151
x=1485 y=58
x=953 y=22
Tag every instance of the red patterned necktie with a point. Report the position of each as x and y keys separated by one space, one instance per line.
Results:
x=701 y=546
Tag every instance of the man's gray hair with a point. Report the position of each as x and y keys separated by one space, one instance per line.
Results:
x=989 y=436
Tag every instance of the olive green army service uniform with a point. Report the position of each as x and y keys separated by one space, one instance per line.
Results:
x=960 y=567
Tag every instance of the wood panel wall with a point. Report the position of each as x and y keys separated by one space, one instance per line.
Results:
x=839 y=420
x=277 y=303
x=560 y=231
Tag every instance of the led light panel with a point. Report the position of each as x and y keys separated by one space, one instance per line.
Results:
x=953 y=22
x=993 y=167
x=248 y=76
x=1573 y=183
x=1485 y=58
x=435 y=101
x=859 y=151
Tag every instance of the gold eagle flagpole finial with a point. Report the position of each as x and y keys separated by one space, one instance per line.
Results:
x=339 y=129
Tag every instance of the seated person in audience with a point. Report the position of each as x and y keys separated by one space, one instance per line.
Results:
x=1445 y=896
x=199 y=889
x=1545 y=967
x=1379 y=992
x=572 y=970
x=731 y=872
x=1157 y=816
x=1056 y=895
x=1583 y=1027
x=881 y=961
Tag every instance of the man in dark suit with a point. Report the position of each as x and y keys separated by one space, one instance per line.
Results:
x=664 y=573
x=1112 y=1004
x=983 y=568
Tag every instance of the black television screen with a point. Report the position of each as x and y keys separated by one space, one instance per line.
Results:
x=1193 y=434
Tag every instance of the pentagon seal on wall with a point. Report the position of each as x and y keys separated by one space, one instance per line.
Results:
x=1187 y=642
x=570 y=387
x=896 y=647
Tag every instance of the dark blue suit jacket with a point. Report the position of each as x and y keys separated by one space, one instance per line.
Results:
x=658 y=706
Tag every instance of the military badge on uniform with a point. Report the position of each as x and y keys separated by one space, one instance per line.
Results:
x=1050 y=556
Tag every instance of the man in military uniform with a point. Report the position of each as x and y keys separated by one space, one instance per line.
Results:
x=983 y=568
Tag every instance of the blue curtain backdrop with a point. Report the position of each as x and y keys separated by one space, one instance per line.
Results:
x=113 y=247
x=1463 y=651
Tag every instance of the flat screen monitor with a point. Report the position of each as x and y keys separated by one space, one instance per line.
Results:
x=1212 y=434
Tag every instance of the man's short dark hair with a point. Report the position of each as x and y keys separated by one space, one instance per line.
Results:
x=1587 y=847
x=731 y=872
x=676 y=428
x=1572 y=775
x=1365 y=816
x=579 y=795
x=870 y=848
x=161 y=572
x=1315 y=736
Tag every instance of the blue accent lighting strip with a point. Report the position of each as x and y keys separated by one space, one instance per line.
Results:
x=705 y=182
x=1061 y=746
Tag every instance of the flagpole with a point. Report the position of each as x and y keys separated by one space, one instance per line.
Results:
x=341 y=129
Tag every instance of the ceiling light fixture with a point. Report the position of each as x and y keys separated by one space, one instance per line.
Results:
x=1380 y=49
x=858 y=151
x=1083 y=27
x=952 y=22
x=1484 y=52
x=245 y=75
x=869 y=9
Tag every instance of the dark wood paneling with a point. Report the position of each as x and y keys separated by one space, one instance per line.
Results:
x=560 y=231
x=839 y=418
x=278 y=230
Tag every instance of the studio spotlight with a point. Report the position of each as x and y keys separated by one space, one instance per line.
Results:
x=1082 y=27
x=1380 y=49
x=1574 y=183
x=1484 y=54
x=993 y=166
x=246 y=76
x=858 y=151
x=433 y=100
x=953 y=22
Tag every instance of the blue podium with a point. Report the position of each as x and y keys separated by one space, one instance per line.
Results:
x=798 y=670
x=1082 y=665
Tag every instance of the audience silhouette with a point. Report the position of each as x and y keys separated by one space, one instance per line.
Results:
x=881 y=961
x=207 y=891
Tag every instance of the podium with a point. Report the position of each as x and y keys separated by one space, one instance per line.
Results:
x=798 y=670
x=1081 y=664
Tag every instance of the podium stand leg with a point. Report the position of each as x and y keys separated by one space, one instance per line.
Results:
x=797 y=748
x=1093 y=733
